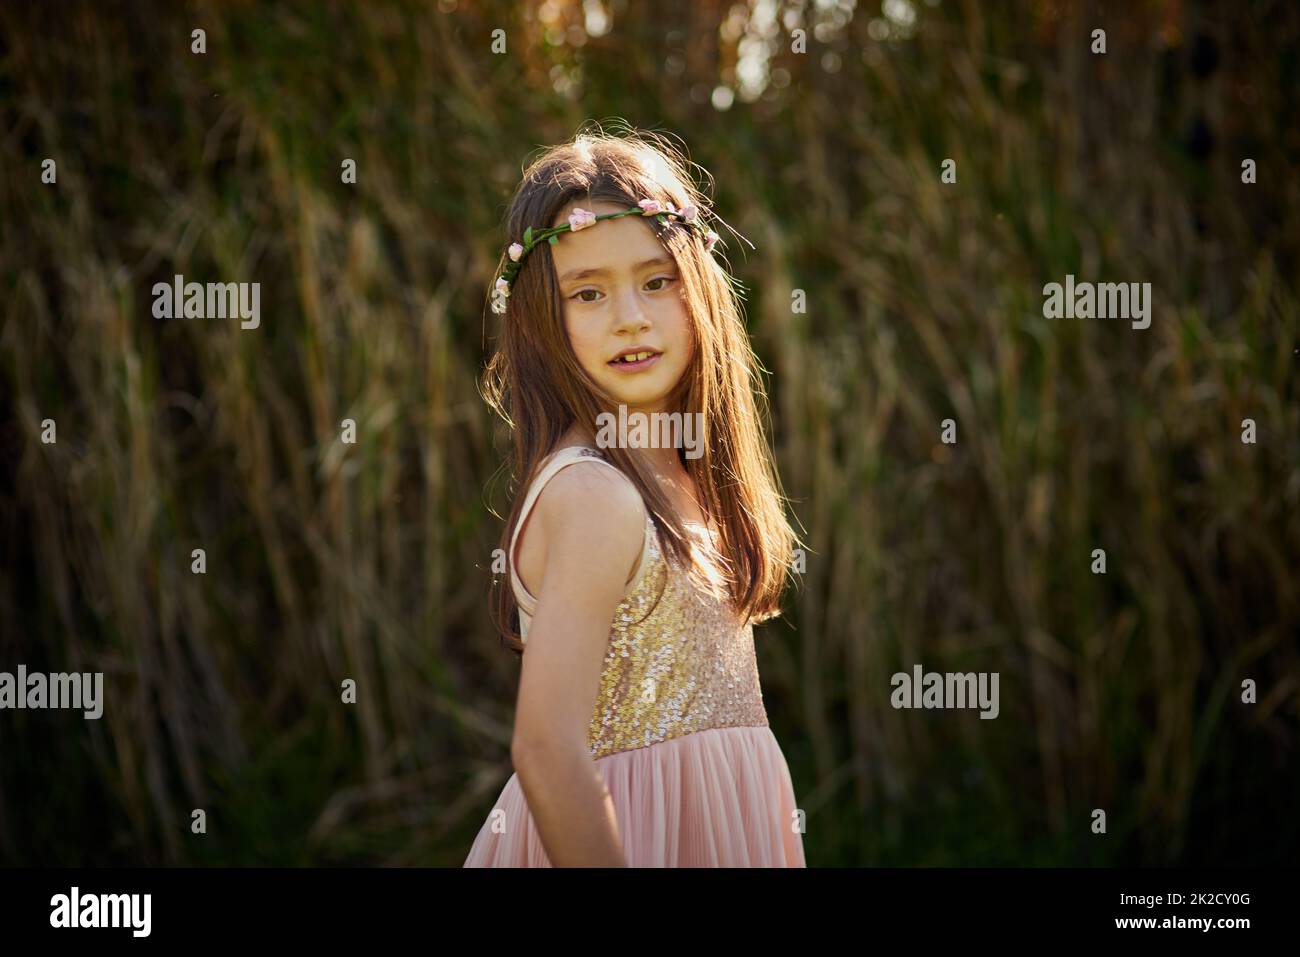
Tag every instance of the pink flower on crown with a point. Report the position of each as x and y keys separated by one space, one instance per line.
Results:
x=689 y=213
x=503 y=286
x=650 y=207
x=710 y=239
x=515 y=251
x=581 y=218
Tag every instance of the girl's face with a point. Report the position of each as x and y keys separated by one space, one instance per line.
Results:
x=622 y=292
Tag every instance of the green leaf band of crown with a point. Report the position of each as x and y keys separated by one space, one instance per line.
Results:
x=551 y=235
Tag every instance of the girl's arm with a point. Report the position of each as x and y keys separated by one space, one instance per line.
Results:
x=592 y=525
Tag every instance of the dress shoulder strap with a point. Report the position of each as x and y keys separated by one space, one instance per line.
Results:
x=562 y=458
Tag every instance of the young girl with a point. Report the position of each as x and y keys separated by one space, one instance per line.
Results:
x=637 y=569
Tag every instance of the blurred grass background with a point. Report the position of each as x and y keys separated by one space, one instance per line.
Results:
x=371 y=561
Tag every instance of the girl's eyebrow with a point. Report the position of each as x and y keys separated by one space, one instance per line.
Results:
x=600 y=271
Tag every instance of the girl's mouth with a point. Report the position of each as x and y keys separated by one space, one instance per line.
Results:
x=631 y=363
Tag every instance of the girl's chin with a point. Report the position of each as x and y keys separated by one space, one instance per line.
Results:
x=640 y=403
x=640 y=392
x=643 y=390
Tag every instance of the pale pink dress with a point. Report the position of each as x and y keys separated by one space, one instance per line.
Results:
x=679 y=733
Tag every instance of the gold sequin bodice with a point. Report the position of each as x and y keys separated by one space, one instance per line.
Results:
x=680 y=665
x=678 y=662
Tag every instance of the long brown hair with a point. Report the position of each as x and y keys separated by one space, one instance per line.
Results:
x=535 y=382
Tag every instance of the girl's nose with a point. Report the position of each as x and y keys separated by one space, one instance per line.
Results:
x=631 y=312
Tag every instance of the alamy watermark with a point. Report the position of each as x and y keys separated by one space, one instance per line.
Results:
x=102 y=910
x=215 y=300
x=57 y=690
x=934 y=689
x=651 y=430
x=1106 y=300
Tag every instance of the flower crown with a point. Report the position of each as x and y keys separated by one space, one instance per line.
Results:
x=582 y=218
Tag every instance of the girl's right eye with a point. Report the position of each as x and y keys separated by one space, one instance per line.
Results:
x=580 y=292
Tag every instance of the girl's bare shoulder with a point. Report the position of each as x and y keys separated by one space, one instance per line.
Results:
x=593 y=492
x=585 y=514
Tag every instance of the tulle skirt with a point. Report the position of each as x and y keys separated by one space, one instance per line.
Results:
x=716 y=798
